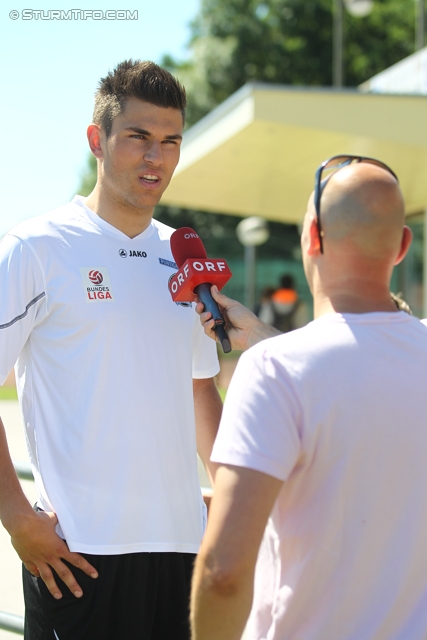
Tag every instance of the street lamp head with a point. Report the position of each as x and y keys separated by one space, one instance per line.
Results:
x=252 y=231
x=359 y=8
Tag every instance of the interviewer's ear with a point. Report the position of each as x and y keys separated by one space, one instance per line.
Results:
x=405 y=244
x=313 y=247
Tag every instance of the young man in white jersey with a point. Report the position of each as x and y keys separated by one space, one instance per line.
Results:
x=116 y=385
x=318 y=524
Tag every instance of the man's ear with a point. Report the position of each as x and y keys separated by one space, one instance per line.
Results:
x=94 y=139
x=405 y=244
x=313 y=238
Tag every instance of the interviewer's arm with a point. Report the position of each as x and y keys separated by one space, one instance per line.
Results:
x=244 y=329
x=223 y=577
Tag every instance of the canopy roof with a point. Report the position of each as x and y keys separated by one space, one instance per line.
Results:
x=407 y=76
x=256 y=154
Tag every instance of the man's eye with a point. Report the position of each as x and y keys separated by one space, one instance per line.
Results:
x=139 y=136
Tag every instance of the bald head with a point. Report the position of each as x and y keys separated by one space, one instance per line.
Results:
x=364 y=237
x=362 y=208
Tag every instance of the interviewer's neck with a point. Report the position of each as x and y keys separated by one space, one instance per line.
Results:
x=353 y=296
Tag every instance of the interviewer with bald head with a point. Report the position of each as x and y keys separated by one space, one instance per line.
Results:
x=318 y=523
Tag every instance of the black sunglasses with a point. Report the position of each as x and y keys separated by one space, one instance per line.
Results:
x=324 y=172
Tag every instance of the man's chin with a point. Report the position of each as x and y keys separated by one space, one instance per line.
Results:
x=145 y=203
x=151 y=199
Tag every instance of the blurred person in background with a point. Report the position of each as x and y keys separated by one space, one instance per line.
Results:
x=264 y=309
x=285 y=310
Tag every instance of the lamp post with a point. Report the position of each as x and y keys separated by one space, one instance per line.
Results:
x=357 y=8
x=420 y=24
x=338 y=44
x=251 y=232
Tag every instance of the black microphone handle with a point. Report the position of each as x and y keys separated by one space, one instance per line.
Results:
x=204 y=292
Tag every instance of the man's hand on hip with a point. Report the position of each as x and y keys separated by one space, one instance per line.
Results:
x=42 y=550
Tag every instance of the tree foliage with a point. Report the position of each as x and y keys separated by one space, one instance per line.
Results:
x=286 y=42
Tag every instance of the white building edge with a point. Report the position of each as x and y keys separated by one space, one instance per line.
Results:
x=408 y=76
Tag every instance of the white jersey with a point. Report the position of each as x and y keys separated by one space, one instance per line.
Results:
x=338 y=411
x=104 y=376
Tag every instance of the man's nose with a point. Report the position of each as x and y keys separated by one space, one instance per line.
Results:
x=154 y=153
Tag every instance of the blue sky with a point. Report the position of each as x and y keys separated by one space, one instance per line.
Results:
x=50 y=71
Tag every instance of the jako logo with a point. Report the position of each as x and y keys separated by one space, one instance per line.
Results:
x=95 y=277
x=132 y=254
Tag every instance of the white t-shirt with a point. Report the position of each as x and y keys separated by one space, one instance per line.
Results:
x=338 y=411
x=104 y=376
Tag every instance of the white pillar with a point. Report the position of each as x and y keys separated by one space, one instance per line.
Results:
x=250 y=269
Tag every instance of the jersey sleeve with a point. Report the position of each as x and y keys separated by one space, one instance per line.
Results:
x=205 y=355
x=260 y=422
x=23 y=298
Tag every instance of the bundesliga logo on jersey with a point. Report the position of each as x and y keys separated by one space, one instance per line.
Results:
x=95 y=276
x=96 y=284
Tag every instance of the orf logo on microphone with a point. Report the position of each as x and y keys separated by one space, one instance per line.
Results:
x=95 y=276
x=194 y=272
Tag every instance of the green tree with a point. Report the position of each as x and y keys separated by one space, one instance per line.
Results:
x=286 y=42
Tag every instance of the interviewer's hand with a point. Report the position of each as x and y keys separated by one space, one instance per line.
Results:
x=41 y=550
x=244 y=329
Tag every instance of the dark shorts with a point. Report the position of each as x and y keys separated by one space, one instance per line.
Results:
x=138 y=596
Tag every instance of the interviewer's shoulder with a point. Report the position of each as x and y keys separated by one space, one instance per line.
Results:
x=285 y=342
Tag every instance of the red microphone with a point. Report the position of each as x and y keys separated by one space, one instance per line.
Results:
x=195 y=276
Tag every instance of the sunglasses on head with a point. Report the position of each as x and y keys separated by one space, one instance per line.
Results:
x=328 y=168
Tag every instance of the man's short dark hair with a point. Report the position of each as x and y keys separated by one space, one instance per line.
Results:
x=135 y=79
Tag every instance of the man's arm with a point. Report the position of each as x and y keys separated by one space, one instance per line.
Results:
x=207 y=409
x=33 y=534
x=223 y=577
x=244 y=329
